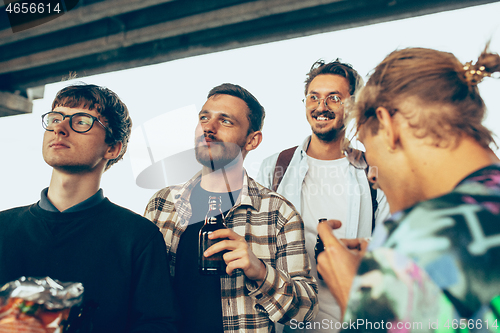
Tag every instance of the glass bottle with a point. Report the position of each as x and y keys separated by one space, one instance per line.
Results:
x=213 y=265
x=320 y=247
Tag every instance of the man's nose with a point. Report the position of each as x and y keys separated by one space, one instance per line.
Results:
x=210 y=126
x=62 y=128
x=322 y=105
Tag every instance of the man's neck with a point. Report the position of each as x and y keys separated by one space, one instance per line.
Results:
x=322 y=150
x=67 y=190
x=222 y=180
x=438 y=171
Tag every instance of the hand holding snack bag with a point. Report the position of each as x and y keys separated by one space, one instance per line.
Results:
x=40 y=306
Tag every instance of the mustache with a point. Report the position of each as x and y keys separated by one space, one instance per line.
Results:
x=202 y=138
x=326 y=113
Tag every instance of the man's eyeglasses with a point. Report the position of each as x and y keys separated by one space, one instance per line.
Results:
x=79 y=122
x=332 y=102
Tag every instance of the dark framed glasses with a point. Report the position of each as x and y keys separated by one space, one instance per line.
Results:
x=332 y=102
x=80 y=122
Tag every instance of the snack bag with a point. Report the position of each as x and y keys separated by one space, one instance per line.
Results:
x=39 y=305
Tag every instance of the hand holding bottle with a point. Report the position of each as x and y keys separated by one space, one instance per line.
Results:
x=339 y=262
x=238 y=255
x=214 y=220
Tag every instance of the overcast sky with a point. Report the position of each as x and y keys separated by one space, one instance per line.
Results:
x=163 y=99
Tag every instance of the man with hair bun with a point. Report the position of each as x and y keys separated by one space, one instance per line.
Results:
x=434 y=264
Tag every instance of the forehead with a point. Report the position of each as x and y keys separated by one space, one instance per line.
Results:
x=227 y=104
x=329 y=83
x=77 y=100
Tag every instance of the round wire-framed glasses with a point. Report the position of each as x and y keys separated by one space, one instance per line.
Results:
x=332 y=102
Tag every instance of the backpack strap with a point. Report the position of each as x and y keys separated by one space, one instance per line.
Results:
x=282 y=163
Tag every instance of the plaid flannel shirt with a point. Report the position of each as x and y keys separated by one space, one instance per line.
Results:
x=275 y=233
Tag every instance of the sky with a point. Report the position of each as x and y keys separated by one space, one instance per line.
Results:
x=164 y=99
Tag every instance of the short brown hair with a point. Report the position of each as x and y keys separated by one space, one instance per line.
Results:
x=436 y=80
x=107 y=104
x=337 y=68
x=256 y=113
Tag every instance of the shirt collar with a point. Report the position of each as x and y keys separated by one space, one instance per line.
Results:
x=94 y=200
x=304 y=146
x=353 y=155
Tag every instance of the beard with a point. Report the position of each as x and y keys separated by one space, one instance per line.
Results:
x=217 y=154
x=331 y=135
x=327 y=135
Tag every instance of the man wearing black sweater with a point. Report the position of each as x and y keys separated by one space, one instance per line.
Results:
x=75 y=234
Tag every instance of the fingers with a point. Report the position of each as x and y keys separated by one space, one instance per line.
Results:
x=338 y=275
x=322 y=262
x=364 y=245
x=360 y=244
x=334 y=224
x=236 y=261
x=354 y=243
x=230 y=242
x=234 y=255
x=243 y=258
x=233 y=265
x=223 y=245
x=325 y=231
x=326 y=235
x=225 y=233
x=238 y=255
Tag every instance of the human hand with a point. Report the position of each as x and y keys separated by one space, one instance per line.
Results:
x=339 y=262
x=239 y=255
x=320 y=247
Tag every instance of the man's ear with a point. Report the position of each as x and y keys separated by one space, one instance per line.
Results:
x=113 y=151
x=388 y=126
x=253 y=140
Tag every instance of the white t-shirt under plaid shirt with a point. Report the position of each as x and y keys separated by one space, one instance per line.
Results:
x=274 y=232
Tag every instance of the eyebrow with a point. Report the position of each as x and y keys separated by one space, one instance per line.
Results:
x=220 y=114
x=336 y=92
x=87 y=111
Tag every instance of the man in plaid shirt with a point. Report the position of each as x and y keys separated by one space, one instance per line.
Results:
x=267 y=278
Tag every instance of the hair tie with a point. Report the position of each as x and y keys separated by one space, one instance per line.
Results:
x=474 y=74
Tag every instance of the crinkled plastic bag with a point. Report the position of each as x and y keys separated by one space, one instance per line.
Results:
x=33 y=305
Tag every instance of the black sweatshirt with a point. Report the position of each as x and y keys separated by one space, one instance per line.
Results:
x=118 y=256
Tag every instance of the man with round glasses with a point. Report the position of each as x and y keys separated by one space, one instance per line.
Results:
x=322 y=180
x=75 y=234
